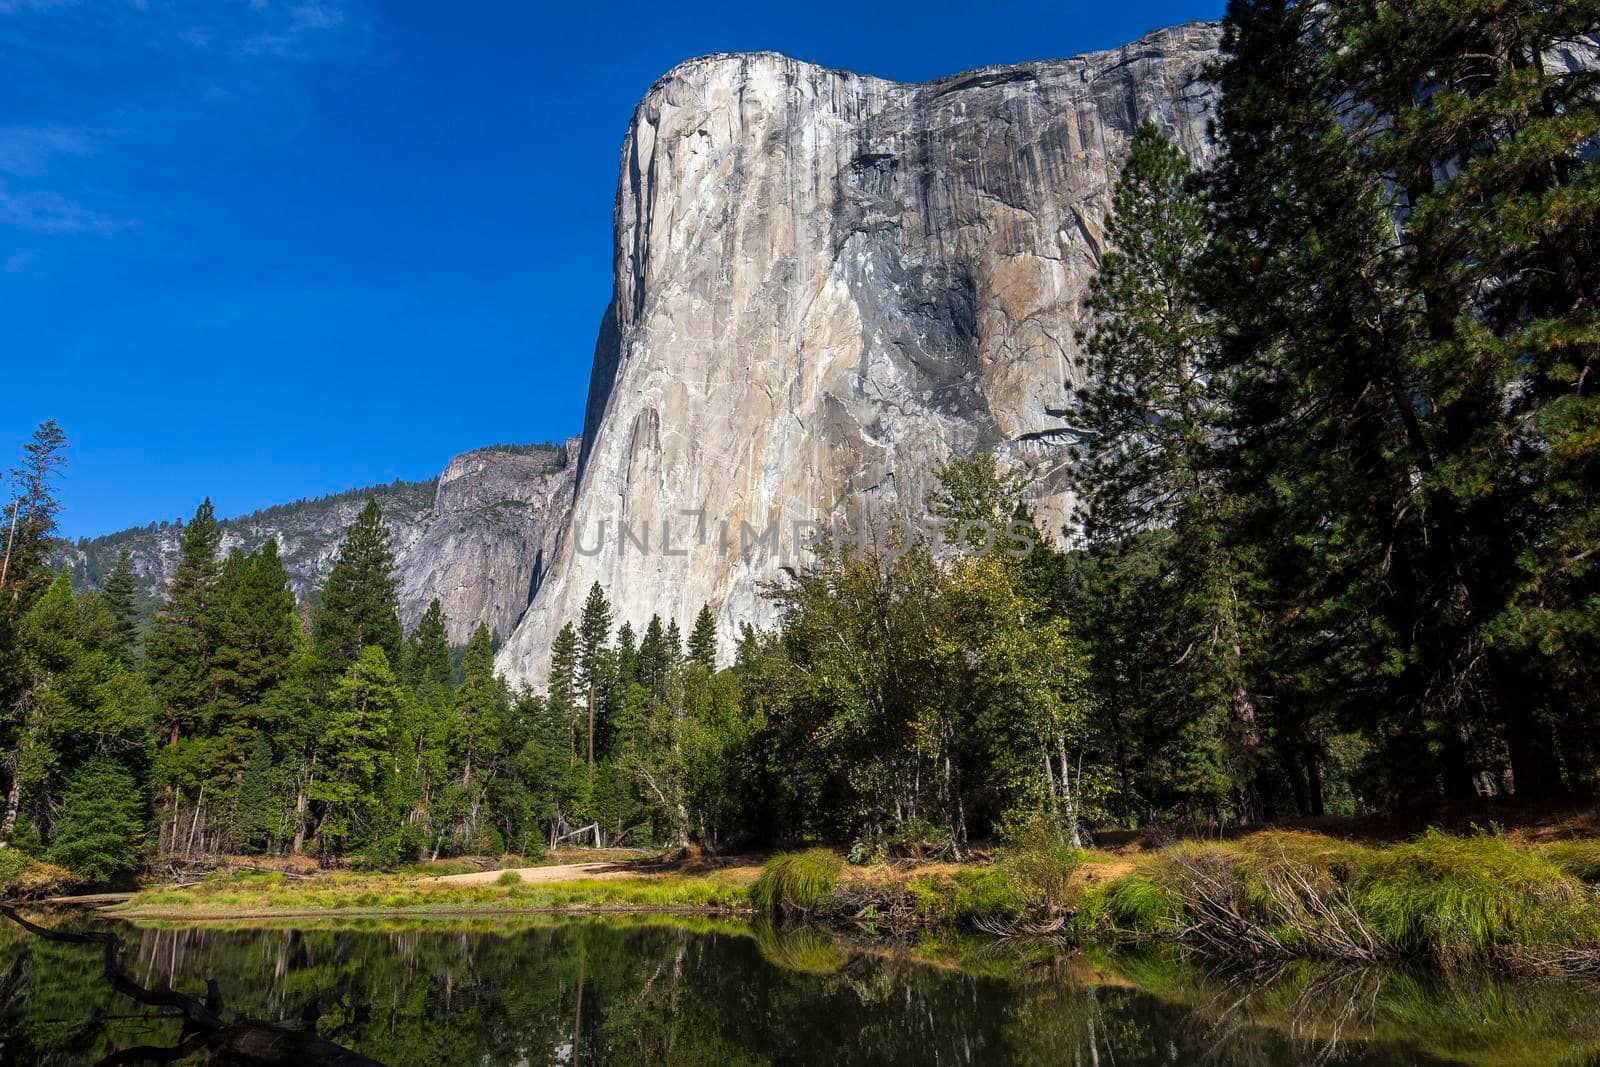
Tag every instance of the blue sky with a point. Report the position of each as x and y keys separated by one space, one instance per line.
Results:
x=260 y=250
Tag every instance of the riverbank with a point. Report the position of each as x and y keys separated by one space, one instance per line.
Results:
x=658 y=987
x=1474 y=899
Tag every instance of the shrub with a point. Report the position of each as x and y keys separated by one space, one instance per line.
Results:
x=1038 y=860
x=921 y=839
x=797 y=881
x=508 y=878
x=23 y=875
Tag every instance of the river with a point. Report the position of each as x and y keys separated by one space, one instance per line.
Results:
x=648 y=990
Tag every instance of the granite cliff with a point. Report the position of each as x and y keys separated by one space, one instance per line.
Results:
x=825 y=284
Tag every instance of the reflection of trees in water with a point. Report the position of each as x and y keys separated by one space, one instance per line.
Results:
x=204 y=1026
x=707 y=992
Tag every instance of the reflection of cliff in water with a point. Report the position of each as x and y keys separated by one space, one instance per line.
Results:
x=506 y=990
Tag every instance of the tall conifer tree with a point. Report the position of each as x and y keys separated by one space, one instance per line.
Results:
x=358 y=607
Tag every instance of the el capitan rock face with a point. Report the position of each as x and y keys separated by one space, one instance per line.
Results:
x=824 y=285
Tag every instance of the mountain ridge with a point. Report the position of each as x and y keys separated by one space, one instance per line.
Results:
x=473 y=536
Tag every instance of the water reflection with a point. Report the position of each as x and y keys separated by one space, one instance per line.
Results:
x=500 y=990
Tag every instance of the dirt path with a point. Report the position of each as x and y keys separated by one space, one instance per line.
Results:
x=566 y=872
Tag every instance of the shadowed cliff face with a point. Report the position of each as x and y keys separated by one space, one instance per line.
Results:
x=825 y=285
x=477 y=539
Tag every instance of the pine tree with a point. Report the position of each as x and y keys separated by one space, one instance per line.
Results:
x=121 y=600
x=1145 y=417
x=627 y=656
x=562 y=694
x=180 y=645
x=30 y=517
x=427 y=658
x=703 y=639
x=653 y=656
x=361 y=713
x=358 y=607
x=672 y=646
x=256 y=629
x=1154 y=505
x=479 y=713
x=255 y=805
x=82 y=702
x=256 y=636
x=595 y=668
x=101 y=832
x=1490 y=150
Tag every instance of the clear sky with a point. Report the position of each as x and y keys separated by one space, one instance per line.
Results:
x=261 y=250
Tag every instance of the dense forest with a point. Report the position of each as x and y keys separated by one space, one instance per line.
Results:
x=1339 y=462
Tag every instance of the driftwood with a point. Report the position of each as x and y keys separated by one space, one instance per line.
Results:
x=246 y=1041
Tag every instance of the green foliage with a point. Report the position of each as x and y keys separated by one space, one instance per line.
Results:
x=182 y=634
x=972 y=893
x=427 y=652
x=1139 y=902
x=23 y=875
x=361 y=712
x=703 y=639
x=797 y=881
x=100 y=833
x=1580 y=859
x=802 y=949
x=1038 y=858
x=121 y=599
x=358 y=608
x=508 y=878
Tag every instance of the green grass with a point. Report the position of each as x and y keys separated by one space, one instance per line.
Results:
x=1472 y=899
x=343 y=893
x=508 y=878
x=1580 y=859
x=1462 y=898
x=971 y=893
x=1138 y=902
x=797 y=881
x=21 y=874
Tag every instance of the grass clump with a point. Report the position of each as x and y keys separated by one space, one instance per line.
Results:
x=1475 y=899
x=797 y=881
x=22 y=875
x=1580 y=859
x=1138 y=902
x=508 y=878
x=972 y=893
x=1464 y=898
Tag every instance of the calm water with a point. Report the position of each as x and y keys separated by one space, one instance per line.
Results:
x=516 y=991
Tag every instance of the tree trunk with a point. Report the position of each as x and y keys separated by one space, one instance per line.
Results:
x=591 y=737
x=302 y=800
x=13 y=802
x=1313 y=760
